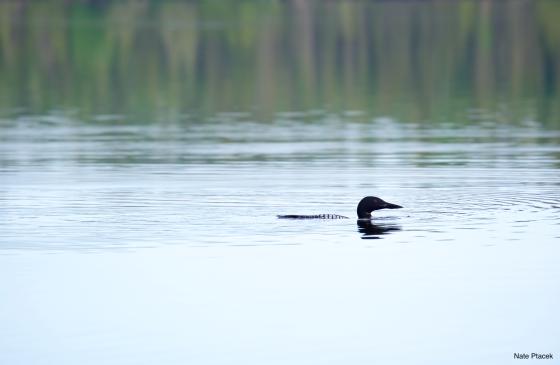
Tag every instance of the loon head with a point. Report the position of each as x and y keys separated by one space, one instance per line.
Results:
x=371 y=203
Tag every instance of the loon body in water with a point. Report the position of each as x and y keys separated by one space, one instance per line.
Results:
x=365 y=207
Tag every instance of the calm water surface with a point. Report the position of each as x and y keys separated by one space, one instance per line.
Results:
x=138 y=233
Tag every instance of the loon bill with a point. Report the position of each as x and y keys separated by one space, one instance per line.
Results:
x=365 y=207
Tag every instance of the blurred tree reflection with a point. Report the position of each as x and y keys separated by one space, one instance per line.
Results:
x=422 y=61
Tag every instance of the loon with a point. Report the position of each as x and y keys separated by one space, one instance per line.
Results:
x=365 y=207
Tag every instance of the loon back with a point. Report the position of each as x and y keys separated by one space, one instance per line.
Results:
x=315 y=216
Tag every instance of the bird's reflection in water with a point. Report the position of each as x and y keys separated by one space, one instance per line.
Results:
x=373 y=231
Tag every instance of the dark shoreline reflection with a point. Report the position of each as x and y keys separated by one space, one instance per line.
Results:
x=427 y=61
x=372 y=231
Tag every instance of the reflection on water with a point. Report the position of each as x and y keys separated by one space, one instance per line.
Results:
x=147 y=147
x=422 y=61
x=371 y=230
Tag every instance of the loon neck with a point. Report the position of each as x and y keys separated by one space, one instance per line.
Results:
x=364 y=215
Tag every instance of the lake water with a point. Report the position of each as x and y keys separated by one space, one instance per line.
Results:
x=147 y=147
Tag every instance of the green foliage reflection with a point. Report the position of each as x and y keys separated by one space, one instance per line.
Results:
x=421 y=61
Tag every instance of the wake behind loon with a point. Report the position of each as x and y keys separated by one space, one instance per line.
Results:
x=365 y=207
